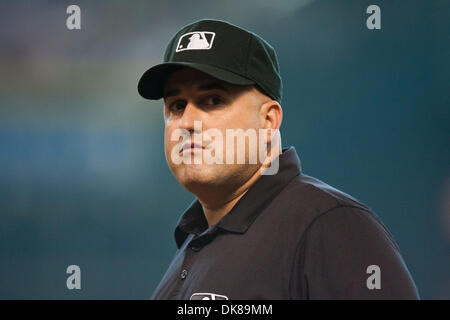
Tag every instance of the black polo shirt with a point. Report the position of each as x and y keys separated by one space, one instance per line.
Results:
x=291 y=236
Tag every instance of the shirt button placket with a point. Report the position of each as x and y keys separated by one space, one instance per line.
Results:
x=183 y=274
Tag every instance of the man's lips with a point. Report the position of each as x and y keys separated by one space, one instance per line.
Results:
x=190 y=146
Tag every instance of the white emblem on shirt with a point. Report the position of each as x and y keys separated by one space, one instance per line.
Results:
x=208 y=296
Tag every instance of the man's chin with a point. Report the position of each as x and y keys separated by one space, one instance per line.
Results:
x=198 y=186
x=193 y=176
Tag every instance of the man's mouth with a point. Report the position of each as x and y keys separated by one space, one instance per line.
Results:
x=191 y=147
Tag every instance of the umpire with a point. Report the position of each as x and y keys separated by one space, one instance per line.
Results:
x=250 y=234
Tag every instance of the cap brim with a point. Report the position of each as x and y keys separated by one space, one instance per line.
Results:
x=151 y=84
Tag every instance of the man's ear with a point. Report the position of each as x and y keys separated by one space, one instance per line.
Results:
x=271 y=114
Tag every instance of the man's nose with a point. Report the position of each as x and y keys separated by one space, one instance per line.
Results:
x=190 y=114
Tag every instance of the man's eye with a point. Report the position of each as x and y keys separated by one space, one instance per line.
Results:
x=213 y=100
x=177 y=106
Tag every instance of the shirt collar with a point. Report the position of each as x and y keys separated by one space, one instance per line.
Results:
x=246 y=210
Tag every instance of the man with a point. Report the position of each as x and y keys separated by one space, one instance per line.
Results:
x=257 y=229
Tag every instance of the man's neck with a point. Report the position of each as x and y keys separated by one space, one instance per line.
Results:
x=214 y=211
x=216 y=204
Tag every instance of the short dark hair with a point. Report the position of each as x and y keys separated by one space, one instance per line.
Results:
x=261 y=90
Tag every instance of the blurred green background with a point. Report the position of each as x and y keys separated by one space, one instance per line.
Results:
x=83 y=178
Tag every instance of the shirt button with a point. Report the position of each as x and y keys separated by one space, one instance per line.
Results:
x=183 y=274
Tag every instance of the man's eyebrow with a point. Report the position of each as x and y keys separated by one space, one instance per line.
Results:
x=171 y=93
x=212 y=86
x=204 y=87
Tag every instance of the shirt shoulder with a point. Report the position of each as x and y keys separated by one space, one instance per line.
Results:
x=304 y=199
x=339 y=240
x=347 y=254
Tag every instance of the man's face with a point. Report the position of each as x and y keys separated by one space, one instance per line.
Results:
x=191 y=95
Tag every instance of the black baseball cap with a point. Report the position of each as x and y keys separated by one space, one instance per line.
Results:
x=221 y=50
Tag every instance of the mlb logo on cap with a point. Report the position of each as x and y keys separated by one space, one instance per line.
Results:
x=198 y=40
